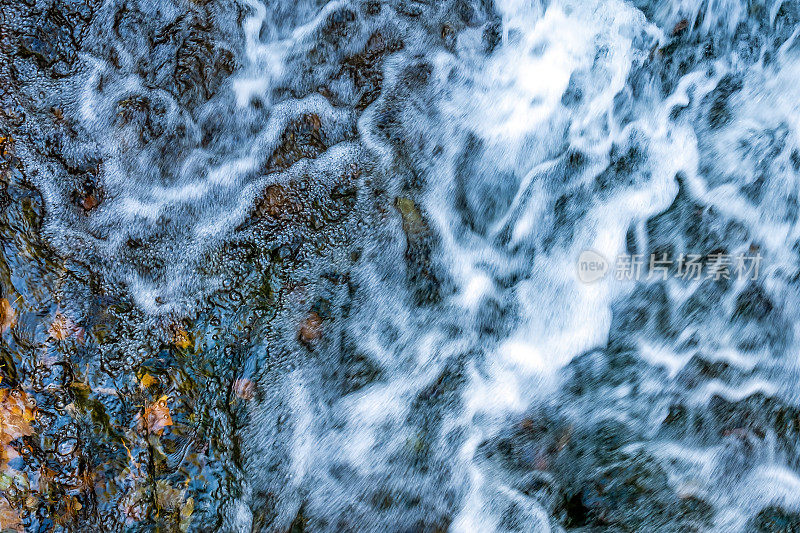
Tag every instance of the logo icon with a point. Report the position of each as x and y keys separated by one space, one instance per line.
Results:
x=591 y=266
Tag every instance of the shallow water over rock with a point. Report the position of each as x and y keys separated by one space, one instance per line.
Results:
x=399 y=266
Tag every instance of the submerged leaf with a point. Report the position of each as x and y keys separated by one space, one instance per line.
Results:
x=61 y=327
x=8 y=317
x=7 y=454
x=9 y=518
x=186 y=514
x=181 y=339
x=244 y=388
x=311 y=328
x=174 y=502
x=17 y=412
x=167 y=496
x=147 y=381
x=155 y=417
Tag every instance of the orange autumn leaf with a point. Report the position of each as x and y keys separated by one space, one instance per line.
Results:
x=17 y=412
x=155 y=417
x=6 y=146
x=8 y=317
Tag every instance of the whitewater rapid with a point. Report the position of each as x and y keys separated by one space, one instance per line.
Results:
x=428 y=173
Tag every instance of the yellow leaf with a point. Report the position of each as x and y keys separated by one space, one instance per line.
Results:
x=148 y=381
x=171 y=500
x=167 y=496
x=413 y=222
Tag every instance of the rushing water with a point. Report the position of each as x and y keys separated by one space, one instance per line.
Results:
x=343 y=238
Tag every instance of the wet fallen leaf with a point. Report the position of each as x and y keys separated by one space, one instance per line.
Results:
x=274 y=202
x=31 y=502
x=155 y=417
x=186 y=514
x=7 y=454
x=69 y=510
x=171 y=499
x=167 y=496
x=244 y=388
x=181 y=339
x=17 y=412
x=6 y=146
x=9 y=518
x=61 y=327
x=80 y=335
x=147 y=381
x=8 y=317
x=7 y=472
x=134 y=505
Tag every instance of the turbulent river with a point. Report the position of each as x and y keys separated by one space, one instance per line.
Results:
x=403 y=265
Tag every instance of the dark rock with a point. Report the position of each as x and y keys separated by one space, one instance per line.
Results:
x=774 y=519
x=420 y=270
